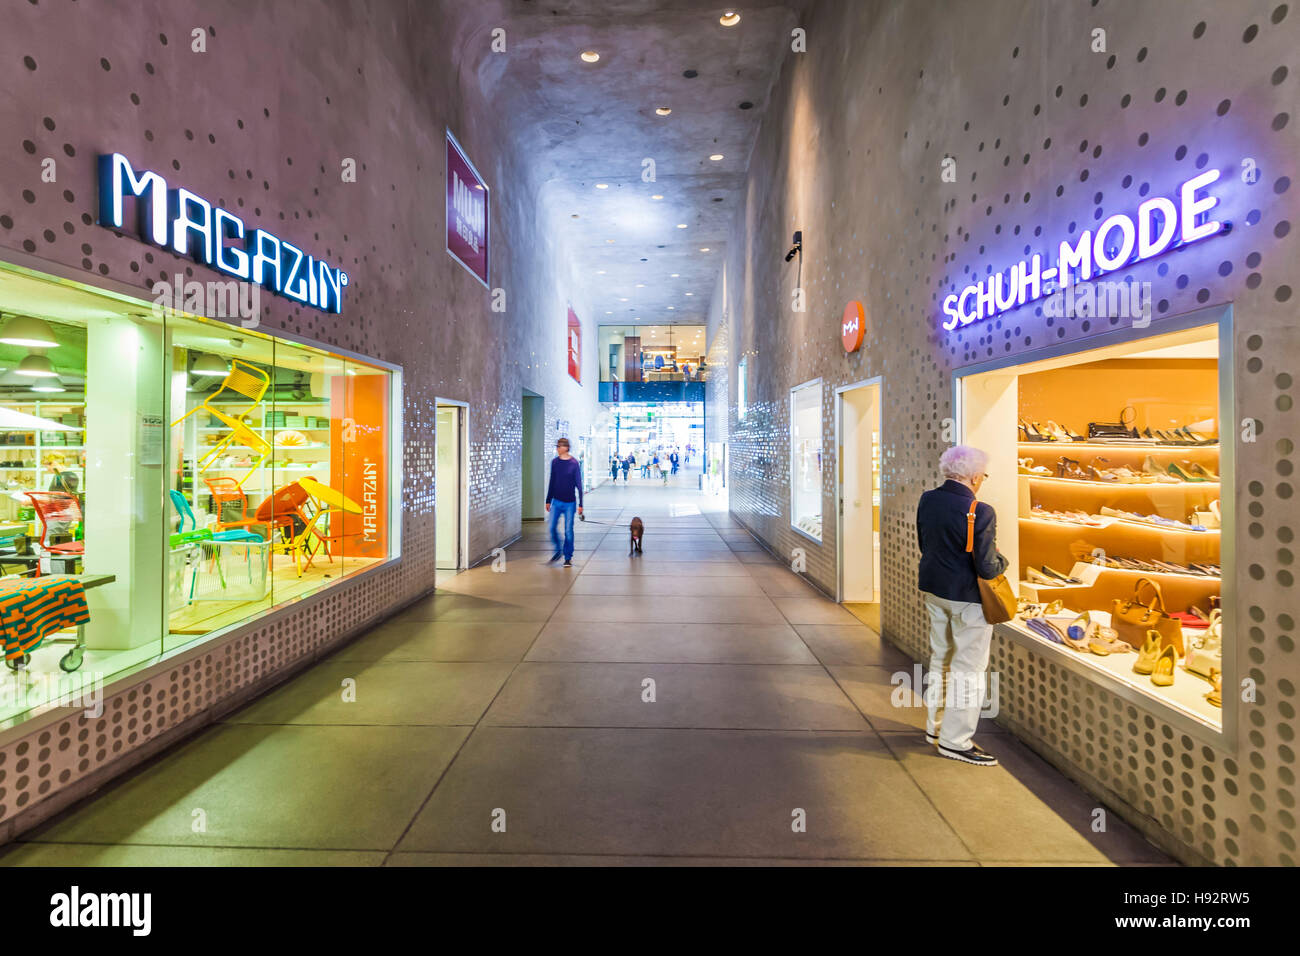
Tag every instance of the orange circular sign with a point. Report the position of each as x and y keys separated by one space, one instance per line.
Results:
x=853 y=326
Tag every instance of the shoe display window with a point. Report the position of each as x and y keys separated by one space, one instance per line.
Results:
x=1113 y=493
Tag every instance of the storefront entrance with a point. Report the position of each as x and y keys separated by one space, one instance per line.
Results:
x=451 y=484
x=858 y=438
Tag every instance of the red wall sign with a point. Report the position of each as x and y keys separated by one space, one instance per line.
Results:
x=853 y=326
x=467 y=212
x=575 y=347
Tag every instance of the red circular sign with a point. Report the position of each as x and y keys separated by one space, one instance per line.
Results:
x=853 y=326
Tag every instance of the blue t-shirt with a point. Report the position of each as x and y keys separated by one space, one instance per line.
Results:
x=566 y=481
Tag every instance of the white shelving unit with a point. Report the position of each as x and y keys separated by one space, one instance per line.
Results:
x=310 y=459
x=36 y=454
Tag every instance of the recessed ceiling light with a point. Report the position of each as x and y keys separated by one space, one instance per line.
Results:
x=675 y=275
x=690 y=293
x=600 y=272
x=716 y=157
x=656 y=196
x=681 y=225
x=602 y=185
x=590 y=56
x=704 y=248
x=640 y=285
x=622 y=300
x=663 y=110
x=609 y=240
x=672 y=307
x=729 y=19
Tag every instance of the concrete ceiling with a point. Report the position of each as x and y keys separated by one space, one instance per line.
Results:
x=588 y=123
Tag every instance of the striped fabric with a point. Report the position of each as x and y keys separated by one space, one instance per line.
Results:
x=32 y=608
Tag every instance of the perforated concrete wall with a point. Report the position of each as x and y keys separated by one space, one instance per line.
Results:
x=257 y=112
x=1049 y=137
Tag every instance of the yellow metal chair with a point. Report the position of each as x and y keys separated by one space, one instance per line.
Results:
x=244 y=381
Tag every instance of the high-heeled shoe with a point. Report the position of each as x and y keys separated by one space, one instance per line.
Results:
x=1149 y=467
x=1070 y=468
x=1199 y=471
x=1181 y=473
x=1215 y=697
x=1106 y=641
x=1031 y=433
x=1054 y=607
x=1026 y=466
x=1162 y=675
x=1147 y=654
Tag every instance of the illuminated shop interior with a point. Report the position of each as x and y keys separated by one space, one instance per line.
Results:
x=1110 y=461
x=191 y=473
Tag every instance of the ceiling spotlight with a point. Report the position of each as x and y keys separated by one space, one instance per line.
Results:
x=657 y=196
x=716 y=157
x=27 y=331
x=622 y=300
x=602 y=185
x=36 y=366
x=590 y=56
x=610 y=241
x=704 y=248
x=681 y=225
x=663 y=110
x=729 y=19
x=675 y=275
x=600 y=272
x=690 y=293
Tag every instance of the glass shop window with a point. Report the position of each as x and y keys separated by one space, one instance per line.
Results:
x=1110 y=470
x=165 y=477
x=806 y=459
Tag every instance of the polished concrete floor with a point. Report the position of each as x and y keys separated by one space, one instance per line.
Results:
x=692 y=705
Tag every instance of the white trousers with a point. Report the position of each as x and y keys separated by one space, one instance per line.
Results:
x=959 y=657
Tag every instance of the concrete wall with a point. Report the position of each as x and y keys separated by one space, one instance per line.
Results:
x=1047 y=135
x=261 y=122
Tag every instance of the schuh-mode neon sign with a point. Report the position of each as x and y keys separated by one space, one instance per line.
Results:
x=1159 y=226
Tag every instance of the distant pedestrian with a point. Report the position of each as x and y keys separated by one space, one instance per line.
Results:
x=613 y=469
x=627 y=464
x=675 y=459
x=563 y=497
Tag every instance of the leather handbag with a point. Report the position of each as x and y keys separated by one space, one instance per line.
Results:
x=1132 y=619
x=1119 y=429
x=996 y=596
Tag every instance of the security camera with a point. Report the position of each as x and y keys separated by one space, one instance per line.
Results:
x=797 y=248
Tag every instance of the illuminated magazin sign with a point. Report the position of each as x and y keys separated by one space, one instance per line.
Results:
x=1160 y=224
x=188 y=225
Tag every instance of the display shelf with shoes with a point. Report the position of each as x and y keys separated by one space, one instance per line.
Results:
x=1119 y=480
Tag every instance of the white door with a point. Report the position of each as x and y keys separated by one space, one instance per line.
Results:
x=860 y=493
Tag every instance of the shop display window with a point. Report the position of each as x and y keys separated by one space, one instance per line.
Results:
x=806 y=459
x=166 y=477
x=1113 y=492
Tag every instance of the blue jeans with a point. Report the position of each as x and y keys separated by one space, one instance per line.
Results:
x=568 y=509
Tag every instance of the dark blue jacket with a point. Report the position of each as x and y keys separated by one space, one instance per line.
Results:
x=947 y=571
x=566 y=481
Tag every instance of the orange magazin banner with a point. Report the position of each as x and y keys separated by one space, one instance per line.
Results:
x=359 y=459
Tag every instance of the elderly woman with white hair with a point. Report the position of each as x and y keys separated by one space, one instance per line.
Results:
x=948 y=579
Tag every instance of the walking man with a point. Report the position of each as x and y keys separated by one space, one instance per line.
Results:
x=563 y=496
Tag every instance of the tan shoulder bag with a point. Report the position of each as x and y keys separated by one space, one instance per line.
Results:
x=996 y=596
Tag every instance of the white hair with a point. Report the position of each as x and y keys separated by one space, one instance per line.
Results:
x=963 y=462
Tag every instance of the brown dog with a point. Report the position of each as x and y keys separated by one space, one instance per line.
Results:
x=637 y=529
